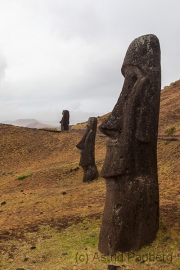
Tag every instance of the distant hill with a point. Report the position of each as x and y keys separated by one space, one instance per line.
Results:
x=38 y=125
x=24 y=122
x=31 y=123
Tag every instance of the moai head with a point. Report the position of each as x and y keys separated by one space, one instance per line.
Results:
x=92 y=124
x=87 y=143
x=135 y=115
x=143 y=53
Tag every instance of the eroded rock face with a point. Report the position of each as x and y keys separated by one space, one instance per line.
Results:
x=131 y=213
x=87 y=147
x=65 y=120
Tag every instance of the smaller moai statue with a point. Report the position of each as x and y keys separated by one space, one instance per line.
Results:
x=87 y=147
x=65 y=120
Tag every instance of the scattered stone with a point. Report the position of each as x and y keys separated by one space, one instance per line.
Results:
x=3 y=203
x=166 y=238
x=74 y=170
x=64 y=193
x=33 y=261
x=92 y=234
x=22 y=190
x=26 y=259
x=33 y=247
x=11 y=255
x=64 y=254
x=131 y=212
x=87 y=147
x=112 y=267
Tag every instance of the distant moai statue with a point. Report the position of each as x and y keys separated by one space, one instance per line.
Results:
x=65 y=120
x=131 y=212
x=87 y=147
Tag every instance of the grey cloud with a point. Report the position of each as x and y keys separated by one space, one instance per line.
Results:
x=68 y=54
x=3 y=66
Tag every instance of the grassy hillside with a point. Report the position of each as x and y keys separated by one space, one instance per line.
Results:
x=170 y=108
x=51 y=220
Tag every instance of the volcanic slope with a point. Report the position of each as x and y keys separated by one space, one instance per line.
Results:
x=41 y=182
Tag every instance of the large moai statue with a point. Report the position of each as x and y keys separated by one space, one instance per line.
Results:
x=131 y=212
x=87 y=147
x=65 y=120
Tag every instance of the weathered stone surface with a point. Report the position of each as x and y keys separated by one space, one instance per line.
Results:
x=87 y=147
x=131 y=213
x=65 y=120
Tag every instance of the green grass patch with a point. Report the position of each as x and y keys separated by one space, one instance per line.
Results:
x=23 y=176
x=170 y=130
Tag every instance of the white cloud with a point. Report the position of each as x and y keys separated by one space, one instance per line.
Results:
x=3 y=66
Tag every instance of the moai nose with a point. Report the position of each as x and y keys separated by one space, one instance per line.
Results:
x=111 y=126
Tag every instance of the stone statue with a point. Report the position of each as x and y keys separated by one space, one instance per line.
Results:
x=131 y=212
x=65 y=120
x=87 y=147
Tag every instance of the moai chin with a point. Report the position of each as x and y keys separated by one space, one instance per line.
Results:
x=87 y=147
x=131 y=212
x=65 y=120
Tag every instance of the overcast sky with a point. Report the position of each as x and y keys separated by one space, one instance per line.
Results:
x=67 y=54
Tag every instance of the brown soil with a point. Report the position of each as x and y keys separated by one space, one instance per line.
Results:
x=51 y=159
